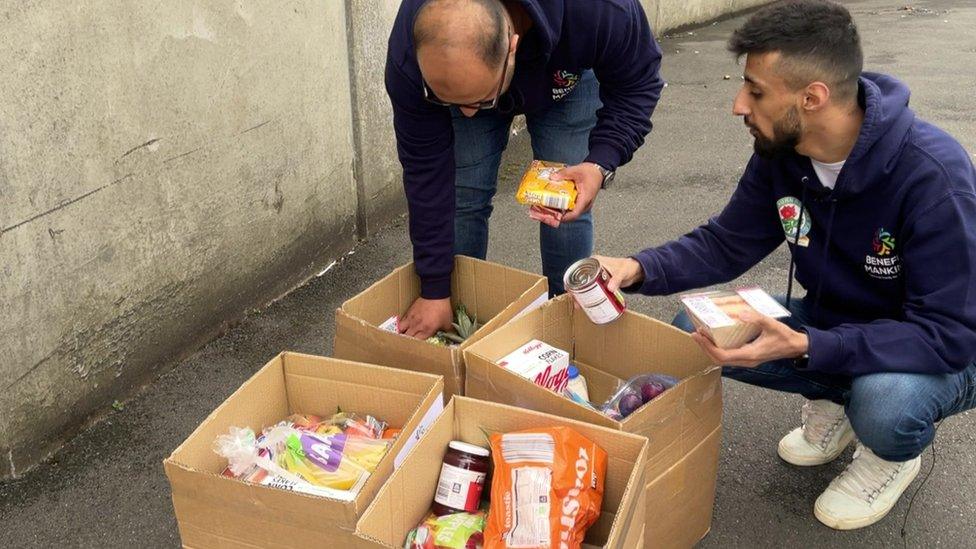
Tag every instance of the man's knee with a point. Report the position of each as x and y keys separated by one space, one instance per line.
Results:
x=890 y=415
x=683 y=322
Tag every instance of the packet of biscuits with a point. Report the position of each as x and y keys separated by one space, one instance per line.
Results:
x=547 y=489
x=717 y=314
x=536 y=189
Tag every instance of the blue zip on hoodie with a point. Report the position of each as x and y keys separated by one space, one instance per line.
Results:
x=568 y=37
x=888 y=257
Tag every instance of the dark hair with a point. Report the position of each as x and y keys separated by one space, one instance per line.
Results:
x=817 y=39
x=489 y=42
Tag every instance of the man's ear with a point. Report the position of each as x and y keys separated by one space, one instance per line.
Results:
x=815 y=97
x=513 y=45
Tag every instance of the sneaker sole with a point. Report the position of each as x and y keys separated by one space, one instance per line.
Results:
x=809 y=461
x=854 y=524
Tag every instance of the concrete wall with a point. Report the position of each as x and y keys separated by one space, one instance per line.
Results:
x=165 y=167
x=668 y=15
x=381 y=197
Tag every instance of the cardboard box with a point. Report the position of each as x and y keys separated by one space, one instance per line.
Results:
x=683 y=424
x=406 y=497
x=492 y=293
x=716 y=314
x=216 y=511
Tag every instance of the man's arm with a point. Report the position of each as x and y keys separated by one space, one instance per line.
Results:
x=425 y=145
x=627 y=67
x=630 y=85
x=745 y=232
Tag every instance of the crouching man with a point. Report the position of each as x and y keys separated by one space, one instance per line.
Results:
x=877 y=208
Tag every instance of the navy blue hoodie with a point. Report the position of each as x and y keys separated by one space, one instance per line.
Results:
x=888 y=257
x=612 y=37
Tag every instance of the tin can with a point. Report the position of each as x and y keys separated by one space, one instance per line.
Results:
x=587 y=281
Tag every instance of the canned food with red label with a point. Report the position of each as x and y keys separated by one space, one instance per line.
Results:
x=586 y=280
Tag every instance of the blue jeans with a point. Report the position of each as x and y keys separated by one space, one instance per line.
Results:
x=559 y=133
x=893 y=414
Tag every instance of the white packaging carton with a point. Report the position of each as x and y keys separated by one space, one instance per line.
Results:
x=543 y=364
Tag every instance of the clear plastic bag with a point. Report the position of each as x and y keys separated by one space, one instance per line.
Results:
x=292 y=455
x=347 y=423
x=636 y=392
x=337 y=461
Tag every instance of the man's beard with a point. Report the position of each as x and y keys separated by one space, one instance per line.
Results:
x=786 y=136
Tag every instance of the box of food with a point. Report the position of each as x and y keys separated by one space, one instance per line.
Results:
x=717 y=314
x=681 y=415
x=537 y=189
x=218 y=507
x=406 y=499
x=486 y=294
x=545 y=365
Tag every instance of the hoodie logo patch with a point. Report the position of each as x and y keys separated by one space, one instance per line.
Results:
x=563 y=82
x=883 y=243
x=884 y=264
x=789 y=215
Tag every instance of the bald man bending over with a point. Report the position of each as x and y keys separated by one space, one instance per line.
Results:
x=585 y=74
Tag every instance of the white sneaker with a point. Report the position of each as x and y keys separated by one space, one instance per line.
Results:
x=865 y=492
x=825 y=433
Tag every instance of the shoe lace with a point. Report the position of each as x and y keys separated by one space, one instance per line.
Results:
x=867 y=475
x=818 y=425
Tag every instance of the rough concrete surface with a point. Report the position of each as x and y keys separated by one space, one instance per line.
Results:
x=107 y=487
x=161 y=171
x=378 y=170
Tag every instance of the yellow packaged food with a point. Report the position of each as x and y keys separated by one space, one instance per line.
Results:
x=537 y=190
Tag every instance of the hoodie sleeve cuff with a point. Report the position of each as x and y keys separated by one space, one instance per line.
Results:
x=604 y=155
x=826 y=350
x=435 y=287
x=655 y=283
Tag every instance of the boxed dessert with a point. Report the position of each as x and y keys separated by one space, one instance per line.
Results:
x=717 y=314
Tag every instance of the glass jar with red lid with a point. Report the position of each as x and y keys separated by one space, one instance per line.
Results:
x=462 y=479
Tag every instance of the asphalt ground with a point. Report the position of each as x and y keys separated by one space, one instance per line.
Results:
x=106 y=487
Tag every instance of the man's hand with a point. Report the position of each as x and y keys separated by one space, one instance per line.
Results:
x=776 y=341
x=588 y=179
x=624 y=271
x=426 y=316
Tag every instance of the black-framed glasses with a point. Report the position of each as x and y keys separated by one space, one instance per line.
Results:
x=481 y=106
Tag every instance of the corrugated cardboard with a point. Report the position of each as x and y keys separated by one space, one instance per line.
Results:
x=683 y=424
x=216 y=511
x=406 y=497
x=494 y=294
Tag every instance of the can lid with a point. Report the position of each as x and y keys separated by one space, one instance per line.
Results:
x=468 y=448
x=581 y=274
x=573 y=372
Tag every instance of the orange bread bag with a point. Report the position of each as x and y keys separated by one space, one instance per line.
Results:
x=547 y=488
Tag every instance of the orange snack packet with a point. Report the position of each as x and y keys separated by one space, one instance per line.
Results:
x=536 y=189
x=547 y=488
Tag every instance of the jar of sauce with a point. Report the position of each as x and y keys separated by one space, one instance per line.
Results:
x=462 y=479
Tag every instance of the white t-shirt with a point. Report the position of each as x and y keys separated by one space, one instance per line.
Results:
x=827 y=173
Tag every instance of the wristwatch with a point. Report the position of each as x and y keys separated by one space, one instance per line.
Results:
x=608 y=176
x=802 y=362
